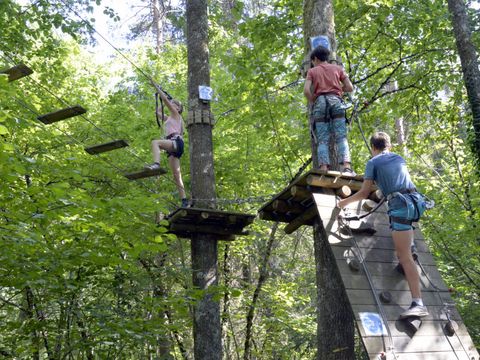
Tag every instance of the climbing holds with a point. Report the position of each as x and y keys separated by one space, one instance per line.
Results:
x=386 y=297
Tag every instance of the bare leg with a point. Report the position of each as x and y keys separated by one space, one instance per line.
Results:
x=403 y=241
x=177 y=175
x=158 y=145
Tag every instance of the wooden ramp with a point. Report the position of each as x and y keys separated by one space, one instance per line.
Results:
x=378 y=302
x=223 y=225
x=62 y=114
x=377 y=292
x=17 y=72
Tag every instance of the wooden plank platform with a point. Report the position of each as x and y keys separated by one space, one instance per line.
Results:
x=62 y=114
x=144 y=173
x=17 y=72
x=294 y=205
x=224 y=225
x=375 y=254
x=109 y=146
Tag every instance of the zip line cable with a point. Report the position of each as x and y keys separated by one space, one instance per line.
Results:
x=225 y=201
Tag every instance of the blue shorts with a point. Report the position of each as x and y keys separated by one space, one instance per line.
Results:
x=404 y=209
x=178 y=146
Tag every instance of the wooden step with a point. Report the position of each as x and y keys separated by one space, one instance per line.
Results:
x=144 y=173
x=109 y=146
x=62 y=114
x=17 y=72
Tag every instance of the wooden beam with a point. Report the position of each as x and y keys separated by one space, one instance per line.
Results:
x=206 y=229
x=145 y=173
x=284 y=207
x=300 y=192
x=302 y=219
x=109 y=146
x=376 y=195
x=333 y=182
x=61 y=114
x=343 y=191
x=17 y=72
x=178 y=215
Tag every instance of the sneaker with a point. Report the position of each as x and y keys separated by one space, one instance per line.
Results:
x=154 y=166
x=349 y=172
x=185 y=203
x=414 y=310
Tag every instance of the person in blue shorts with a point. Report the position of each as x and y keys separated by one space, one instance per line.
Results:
x=405 y=206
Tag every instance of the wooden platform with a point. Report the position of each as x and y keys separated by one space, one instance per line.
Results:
x=144 y=173
x=223 y=225
x=17 y=72
x=109 y=146
x=375 y=254
x=62 y=114
x=295 y=205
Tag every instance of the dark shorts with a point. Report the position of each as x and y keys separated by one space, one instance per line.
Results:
x=178 y=145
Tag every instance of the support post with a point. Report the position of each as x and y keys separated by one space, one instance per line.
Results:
x=335 y=330
x=206 y=313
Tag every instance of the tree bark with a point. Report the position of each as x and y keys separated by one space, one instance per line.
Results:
x=206 y=314
x=468 y=58
x=335 y=326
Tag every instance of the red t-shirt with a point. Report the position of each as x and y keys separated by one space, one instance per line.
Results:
x=326 y=79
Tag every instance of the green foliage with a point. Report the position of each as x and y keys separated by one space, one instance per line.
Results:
x=85 y=269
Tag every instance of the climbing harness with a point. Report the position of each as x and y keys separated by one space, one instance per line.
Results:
x=327 y=115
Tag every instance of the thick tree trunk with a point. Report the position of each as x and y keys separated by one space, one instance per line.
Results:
x=158 y=14
x=468 y=58
x=335 y=327
x=206 y=323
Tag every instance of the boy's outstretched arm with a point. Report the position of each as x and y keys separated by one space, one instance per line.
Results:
x=360 y=195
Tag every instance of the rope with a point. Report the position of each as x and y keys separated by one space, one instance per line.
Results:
x=79 y=142
x=359 y=217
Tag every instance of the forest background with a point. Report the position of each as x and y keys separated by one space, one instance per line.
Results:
x=84 y=270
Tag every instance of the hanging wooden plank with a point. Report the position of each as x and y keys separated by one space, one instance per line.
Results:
x=144 y=173
x=109 y=146
x=62 y=114
x=17 y=72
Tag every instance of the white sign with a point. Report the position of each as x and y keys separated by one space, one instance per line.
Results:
x=205 y=93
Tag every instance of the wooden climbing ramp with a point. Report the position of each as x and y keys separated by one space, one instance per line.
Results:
x=377 y=291
x=222 y=225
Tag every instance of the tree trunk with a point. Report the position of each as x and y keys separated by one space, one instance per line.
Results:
x=335 y=327
x=158 y=13
x=206 y=313
x=468 y=58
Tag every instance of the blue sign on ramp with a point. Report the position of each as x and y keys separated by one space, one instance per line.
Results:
x=372 y=324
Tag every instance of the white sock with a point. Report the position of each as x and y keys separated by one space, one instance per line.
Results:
x=418 y=301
